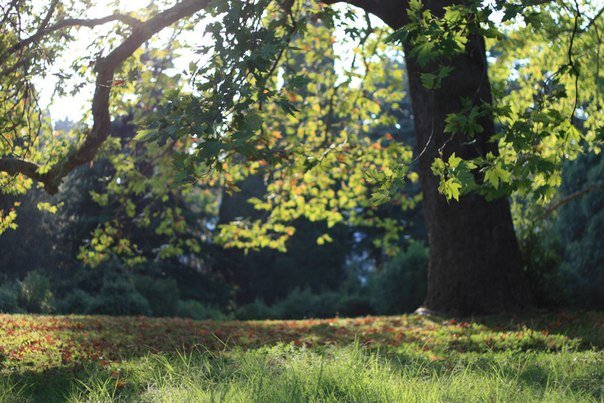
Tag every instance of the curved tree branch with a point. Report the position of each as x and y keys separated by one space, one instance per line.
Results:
x=105 y=69
x=567 y=199
x=66 y=23
x=13 y=166
x=392 y=12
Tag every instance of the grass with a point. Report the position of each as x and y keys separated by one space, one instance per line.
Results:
x=546 y=357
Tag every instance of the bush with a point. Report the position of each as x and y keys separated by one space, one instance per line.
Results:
x=579 y=227
x=401 y=284
x=256 y=310
x=162 y=294
x=78 y=301
x=352 y=305
x=196 y=310
x=300 y=304
x=35 y=293
x=540 y=252
x=119 y=296
x=9 y=298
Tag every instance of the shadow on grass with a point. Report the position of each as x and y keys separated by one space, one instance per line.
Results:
x=540 y=375
x=586 y=326
x=52 y=355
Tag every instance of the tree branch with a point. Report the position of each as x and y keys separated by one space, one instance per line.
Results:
x=14 y=166
x=105 y=68
x=67 y=23
x=549 y=210
x=392 y=12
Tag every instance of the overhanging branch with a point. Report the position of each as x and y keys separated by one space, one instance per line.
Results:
x=392 y=12
x=567 y=199
x=105 y=69
x=66 y=23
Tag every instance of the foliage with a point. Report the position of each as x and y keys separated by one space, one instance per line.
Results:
x=561 y=242
x=196 y=310
x=120 y=297
x=298 y=304
x=269 y=100
x=256 y=310
x=546 y=98
x=579 y=226
x=35 y=293
x=161 y=294
x=274 y=100
x=236 y=95
x=541 y=254
x=9 y=298
x=400 y=286
x=304 y=304
x=78 y=301
x=554 y=357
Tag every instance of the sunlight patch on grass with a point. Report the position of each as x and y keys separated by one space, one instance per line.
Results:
x=549 y=358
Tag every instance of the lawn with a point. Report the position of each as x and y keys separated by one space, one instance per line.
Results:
x=541 y=357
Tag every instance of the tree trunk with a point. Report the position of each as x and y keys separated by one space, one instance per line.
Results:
x=475 y=264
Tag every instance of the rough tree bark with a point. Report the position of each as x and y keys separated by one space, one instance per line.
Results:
x=475 y=265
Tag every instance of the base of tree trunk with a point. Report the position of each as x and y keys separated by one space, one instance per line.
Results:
x=475 y=263
x=423 y=311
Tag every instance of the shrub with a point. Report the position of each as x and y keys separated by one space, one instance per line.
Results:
x=196 y=310
x=9 y=298
x=162 y=294
x=352 y=305
x=256 y=310
x=401 y=284
x=78 y=301
x=303 y=303
x=119 y=296
x=540 y=252
x=579 y=226
x=297 y=305
x=35 y=293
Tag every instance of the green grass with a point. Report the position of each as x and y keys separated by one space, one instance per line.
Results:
x=546 y=358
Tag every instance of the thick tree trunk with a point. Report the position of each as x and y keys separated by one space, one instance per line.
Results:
x=475 y=264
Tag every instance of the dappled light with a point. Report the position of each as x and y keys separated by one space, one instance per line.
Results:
x=68 y=348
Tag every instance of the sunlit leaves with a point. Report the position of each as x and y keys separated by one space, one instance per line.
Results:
x=311 y=144
x=430 y=38
x=495 y=172
x=546 y=105
x=456 y=176
x=467 y=121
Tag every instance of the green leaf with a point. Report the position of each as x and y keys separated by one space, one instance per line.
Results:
x=325 y=238
x=428 y=80
x=450 y=188
x=438 y=166
x=454 y=161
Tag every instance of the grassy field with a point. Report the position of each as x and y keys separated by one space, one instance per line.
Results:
x=553 y=357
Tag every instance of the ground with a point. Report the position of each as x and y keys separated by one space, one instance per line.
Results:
x=538 y=357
